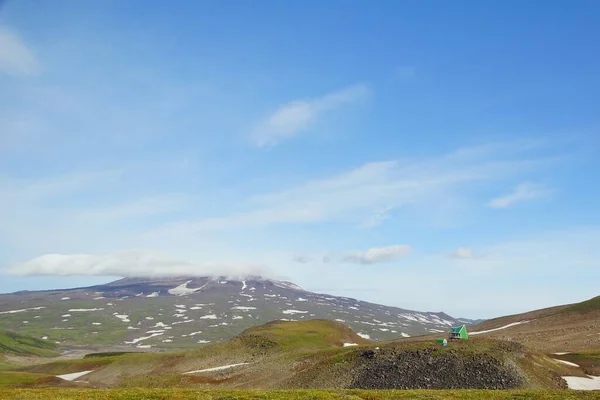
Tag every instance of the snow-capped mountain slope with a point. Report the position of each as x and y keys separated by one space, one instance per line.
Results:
x=185 y=311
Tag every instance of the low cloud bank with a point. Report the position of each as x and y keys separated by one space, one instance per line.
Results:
x=131 y=264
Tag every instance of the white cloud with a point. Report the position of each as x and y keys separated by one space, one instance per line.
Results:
x=523 y=192
x=302 y=259
x=462 y=252
x=378 y=254
x=130 y=264
x=15 y=57
x=378 y=217
x=296 y=116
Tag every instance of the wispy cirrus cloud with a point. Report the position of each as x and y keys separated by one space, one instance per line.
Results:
x=521 y=193
x=296 y=116
x=16 y=58
x=374 y=187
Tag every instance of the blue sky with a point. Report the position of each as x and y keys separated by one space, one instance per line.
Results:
x=396 y=152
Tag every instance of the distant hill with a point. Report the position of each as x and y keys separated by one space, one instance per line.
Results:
x=571 y=327
x=182 y=312
x=20 y=345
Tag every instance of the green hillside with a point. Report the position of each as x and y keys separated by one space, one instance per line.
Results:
x=20 y=345
x=315 y=354
x=592 y=304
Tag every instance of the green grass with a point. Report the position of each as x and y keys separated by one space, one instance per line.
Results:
x=589 y=361
x=314 y=334
x=15 y=344
x=12 y=378
x=184 y=394
x=107 y=354
x=585 y=306
x=68 y=366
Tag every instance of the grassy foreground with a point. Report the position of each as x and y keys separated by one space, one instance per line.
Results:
x=184 y=394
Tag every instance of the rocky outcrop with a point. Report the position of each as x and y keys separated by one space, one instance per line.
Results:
x=432 y=369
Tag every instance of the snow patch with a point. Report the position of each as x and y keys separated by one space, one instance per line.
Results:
x=84 y=309
x=211 y=316
x=244 y=286
x=404 y=334
x=500 y=328
x=292 y=312
x=183 y=290
x=579 y=383
x=350 y=344
x=96 y=323
x=243 y=308
x=123 y=317
x=74 y=375
x=21 y=310
x=66 y=298
x=364 y=335
x=567 y=363
x=134 y=341
x=153 y=294
x=221 y=368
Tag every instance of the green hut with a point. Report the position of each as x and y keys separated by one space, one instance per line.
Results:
x=460 y=332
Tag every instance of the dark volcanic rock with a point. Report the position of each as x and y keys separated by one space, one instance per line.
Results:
x=428 y=369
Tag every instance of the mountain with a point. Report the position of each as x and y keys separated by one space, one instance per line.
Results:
x=566 y=328
x=185 y=311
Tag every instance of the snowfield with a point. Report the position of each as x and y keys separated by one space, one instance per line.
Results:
x=500 y=328
x=292 y=312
